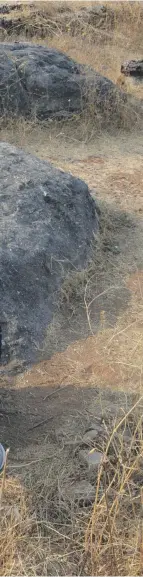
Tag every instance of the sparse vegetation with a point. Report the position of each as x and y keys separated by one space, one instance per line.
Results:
x=43 y=530
x=116 y=37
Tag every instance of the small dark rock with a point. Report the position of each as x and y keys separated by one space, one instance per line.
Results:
x=132 y=68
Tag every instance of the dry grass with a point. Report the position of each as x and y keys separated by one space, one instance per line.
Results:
x=14 y=527
x=103 y=46
x=106 y=48
x=42 y=531
x=112 y=358
x=108 y=537
x=114 y=534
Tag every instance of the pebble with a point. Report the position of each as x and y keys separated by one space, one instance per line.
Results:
x=91 y=458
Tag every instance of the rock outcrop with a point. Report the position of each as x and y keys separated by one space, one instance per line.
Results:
x=42 y=83
x=47 y=222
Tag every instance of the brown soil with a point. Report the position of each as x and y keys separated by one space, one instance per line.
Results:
x=112 y=358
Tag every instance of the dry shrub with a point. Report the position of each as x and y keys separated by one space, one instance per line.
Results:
x=106 y=47
x=14 y=528
x=113 y=540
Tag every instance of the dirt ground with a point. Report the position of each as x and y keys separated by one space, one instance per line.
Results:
x=111 y=356
x=93 y=374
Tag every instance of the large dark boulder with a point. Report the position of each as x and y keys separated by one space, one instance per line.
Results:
x=47 y=223
x=37 y=81
x=43 y=83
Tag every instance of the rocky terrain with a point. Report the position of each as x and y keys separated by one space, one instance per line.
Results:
x=48 y=219
x=71 y=288
x=42 y=83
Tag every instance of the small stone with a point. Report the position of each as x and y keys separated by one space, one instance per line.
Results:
x=90 y=435
x=68 y=79
x=91 y=458
x=116 y=250
x=95 y=457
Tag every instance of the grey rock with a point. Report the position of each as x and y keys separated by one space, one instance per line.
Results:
x=95 y=458
x=47 y=223
x=133 y=68
x=42 y=83
x=91 y=435
x=91 y=459
x=37 y=81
